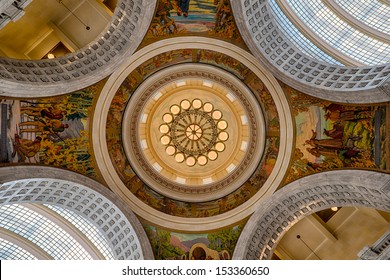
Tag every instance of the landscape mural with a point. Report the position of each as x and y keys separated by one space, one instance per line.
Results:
x=334 y=136
x=218 y=245
x=212 y=18
x=181 y=208
x=51 y=131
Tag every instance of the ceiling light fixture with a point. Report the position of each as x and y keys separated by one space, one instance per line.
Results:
x=86 y=26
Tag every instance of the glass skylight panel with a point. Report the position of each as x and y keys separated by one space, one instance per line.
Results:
x=371 y=12
x=87 y=228
x=339 y=34
x=41 y=231
x=11 y=251
x=297 y=38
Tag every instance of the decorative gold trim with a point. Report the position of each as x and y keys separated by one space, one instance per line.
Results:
x=231 y=174
x=185 y=224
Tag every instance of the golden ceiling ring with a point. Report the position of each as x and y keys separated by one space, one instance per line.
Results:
x=202 y=129
x=121 y=179
x=193 y=132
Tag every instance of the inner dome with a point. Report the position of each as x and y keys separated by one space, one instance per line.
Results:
x=194 y=133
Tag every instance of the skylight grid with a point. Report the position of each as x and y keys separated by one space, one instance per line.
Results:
x=11 y=251
x=371 y=12
x=87 y=228
x=41 y=231
x=340 y=35
x=295 y=36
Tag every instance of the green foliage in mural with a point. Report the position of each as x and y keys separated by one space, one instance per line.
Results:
x=160 y=241
x=225 y=239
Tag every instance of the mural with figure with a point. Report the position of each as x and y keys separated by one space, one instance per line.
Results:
x=332 y=136
x=51 y=131
x=181 y=208
x=198 y=17
x=168 y=245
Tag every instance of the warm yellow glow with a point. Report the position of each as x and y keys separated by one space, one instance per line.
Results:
x=196 y=103
x=223 y=136
x=222 y=125
x=217 y=115
x=165 y=140
x=51 y=56
x=179 y=157
x=170 y=150
x=202 y=160
x=190 y=161
x=208 y=107
x=167 y=118
x=220 y=147
x=191 y=125
x=185 y=104
x=212 y=155
x=334 y=209
x=164 y=128
x=175 y=109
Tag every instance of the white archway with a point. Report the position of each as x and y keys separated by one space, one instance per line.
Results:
x=305 y=196
x=119 y=40
x=85 y=197
x=365 y=84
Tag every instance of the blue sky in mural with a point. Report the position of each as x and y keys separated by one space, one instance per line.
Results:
x=200 y=10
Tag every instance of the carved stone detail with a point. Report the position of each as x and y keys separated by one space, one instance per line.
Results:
x=380 y=250
x=37 y=78
x=326 y=81
x=303 y=197
x=86 y=202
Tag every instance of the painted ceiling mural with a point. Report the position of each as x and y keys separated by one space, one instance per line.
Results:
x=56 y=131
x=161 y=202
x=51 y=131
x=334 y=136
x=209 y=18
x=169 y=245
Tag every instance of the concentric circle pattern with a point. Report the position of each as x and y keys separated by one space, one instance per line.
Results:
x=199 y=133
x=205 y=194
x=193 y=132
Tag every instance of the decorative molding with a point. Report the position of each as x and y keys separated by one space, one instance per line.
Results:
x=12 y=10
x=301 y=198
x=187 y=192
x=314 y=37
x=336 y=83
x=40 y=78
x=180 y=223
x=357 y=24
x=54 y=217
x=380 y=250
x=25 y=244
x=82 y=195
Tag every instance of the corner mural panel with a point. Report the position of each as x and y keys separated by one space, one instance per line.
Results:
x=335 y=136
x=217 y=245
x=50 y=131
x=194 y=17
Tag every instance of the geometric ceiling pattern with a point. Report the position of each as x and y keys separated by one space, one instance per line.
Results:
x=177 y=133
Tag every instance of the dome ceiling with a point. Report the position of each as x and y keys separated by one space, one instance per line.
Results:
x=189 y=129
x=198 y=131
x=308 y=46
x=159 y=167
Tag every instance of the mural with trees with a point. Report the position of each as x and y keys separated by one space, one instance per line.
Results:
x=51 y=131
x=168 y=245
